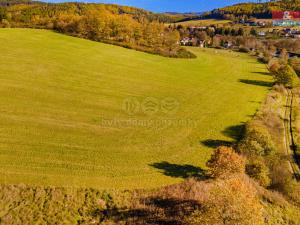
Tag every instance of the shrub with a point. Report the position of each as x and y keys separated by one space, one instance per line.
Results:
x=244 y=49
x=284 y=74
x=3 y=13
x=183 y=53
x=282 y=179
x=257 y=141
x=295 y=63
x=266 y=57
x=232 y=202
x=225 y=162
x=5 y=23
x=273 y=65
x=284 y=55
x=279 y=88
x=292 y=190
x=279 y=171
x=257 y=170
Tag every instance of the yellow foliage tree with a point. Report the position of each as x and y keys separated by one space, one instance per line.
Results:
x=225 y=162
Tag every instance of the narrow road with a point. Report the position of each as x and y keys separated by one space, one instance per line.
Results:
x=289 y=137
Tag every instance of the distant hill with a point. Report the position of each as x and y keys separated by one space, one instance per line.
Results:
x=180 y=17
x=245 y=10
x=162 y=17
x=127 y=26
x=257 y=10
x=15 y=2
x=185 y=13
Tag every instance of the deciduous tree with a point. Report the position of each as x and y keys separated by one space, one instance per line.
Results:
x=224 y=162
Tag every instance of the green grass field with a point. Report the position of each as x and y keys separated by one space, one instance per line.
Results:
x=205 y=22
x=64 y=119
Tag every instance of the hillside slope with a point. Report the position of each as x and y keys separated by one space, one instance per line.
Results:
x=257 y=10
x=120 y=25
x=68 y=112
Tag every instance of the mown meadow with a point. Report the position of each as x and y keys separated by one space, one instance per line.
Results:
x=78 y=113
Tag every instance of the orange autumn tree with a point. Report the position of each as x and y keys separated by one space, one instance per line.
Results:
x=225 y=162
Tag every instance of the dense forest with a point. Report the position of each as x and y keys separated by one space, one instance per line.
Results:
x=125 y=26
x=248 y=10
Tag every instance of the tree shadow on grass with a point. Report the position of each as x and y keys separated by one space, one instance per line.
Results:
x=257 y=82
x=180 y=171
x=153 y=210
x=215 y=143
x=258 y=102
x=235 y=132
x=262 y=73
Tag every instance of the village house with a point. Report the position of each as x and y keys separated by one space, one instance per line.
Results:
x=250 y=23
x=227 y=44
x=261 y=23
x=195 y=28
x=187 y=41
x=202 y=43
x=297 y=35
x=261 y=33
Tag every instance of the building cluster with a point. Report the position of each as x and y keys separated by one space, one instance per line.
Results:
x=192 y=39
x=290 y=32
x=253 y=23
x=187 y=41
x=285 y=33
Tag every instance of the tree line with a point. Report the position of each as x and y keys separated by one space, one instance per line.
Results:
x=249 y=10
x=125 y=26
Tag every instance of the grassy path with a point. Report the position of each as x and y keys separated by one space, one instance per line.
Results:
x=289 y=136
